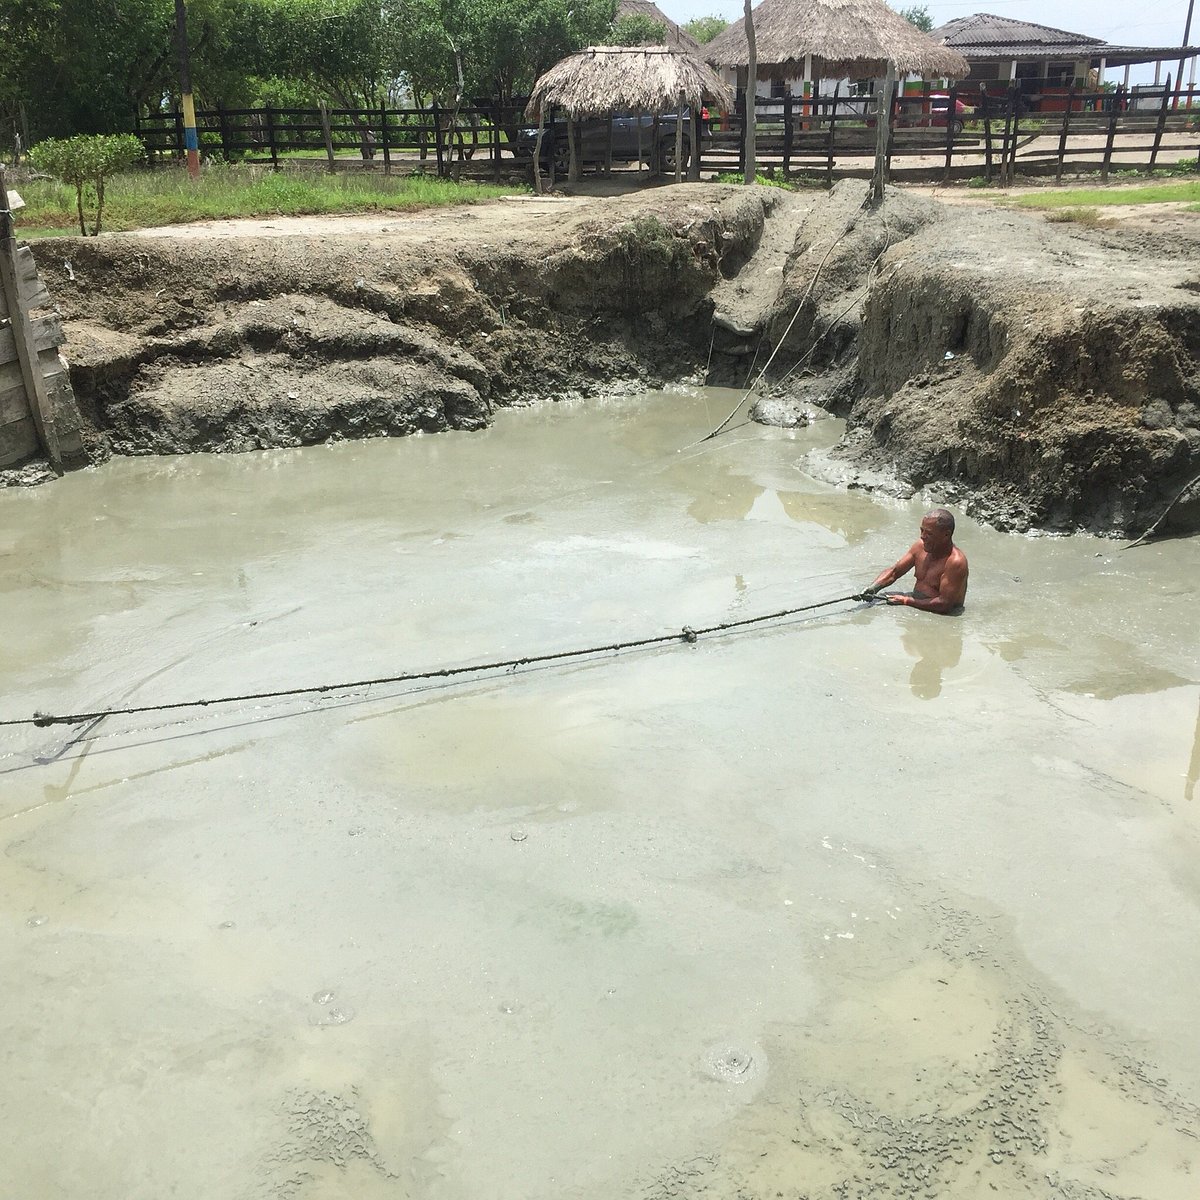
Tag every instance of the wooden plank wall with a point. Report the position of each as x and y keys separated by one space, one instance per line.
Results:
x=48 y=421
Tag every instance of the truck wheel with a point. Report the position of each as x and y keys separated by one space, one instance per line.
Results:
x=666 y=157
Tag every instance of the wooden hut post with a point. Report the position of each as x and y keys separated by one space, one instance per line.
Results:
x=608 y=148
x=656 y=157
x=537 y=149
x=572 y=156
x=697 y=134
x=679 y=140
x=883 y=124
x=637 y=116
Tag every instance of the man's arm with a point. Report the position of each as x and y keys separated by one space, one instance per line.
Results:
x=902 y=567
x=951 y=592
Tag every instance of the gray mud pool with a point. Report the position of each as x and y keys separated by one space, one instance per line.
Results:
x=860 y=903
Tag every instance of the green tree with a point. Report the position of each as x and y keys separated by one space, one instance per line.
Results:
x=704 y=29
x=637 y=29
x=500 y=48
x=86 y=162
x=918 y=15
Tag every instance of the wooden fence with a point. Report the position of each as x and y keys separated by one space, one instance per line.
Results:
x=479 y=135
x=996 y=135
x=37 y=404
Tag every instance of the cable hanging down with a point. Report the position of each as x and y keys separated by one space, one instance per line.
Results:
x=686 y=634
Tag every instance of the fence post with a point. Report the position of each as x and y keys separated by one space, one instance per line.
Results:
x=951 y=117
x=435 y=109
x=987 y=132
x=883 y=135
x=837 y=87
x=1004 y=147
x=787 y=134
x=40 y=406
x=327 y=135
x=180 y=147
x=497 y=121
x=269 y=118
x=1062 y=137
x=1160 y=124
x=893 y=93
x=1016 y=133
x=1114 y=116
x=223 y=123
x=385 y=138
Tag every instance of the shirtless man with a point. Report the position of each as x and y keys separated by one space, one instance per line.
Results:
x=941 y=569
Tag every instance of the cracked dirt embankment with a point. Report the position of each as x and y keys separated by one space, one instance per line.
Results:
x=223 y=341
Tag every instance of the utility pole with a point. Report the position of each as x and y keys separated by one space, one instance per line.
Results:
x=1187 y=33
x=751 y=156
x=190 y=137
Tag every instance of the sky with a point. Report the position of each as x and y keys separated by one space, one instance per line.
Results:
x=1151 y=23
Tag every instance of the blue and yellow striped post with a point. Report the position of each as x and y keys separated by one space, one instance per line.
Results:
x=191 y=138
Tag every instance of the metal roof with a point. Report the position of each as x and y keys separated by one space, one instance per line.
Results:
x=986 y=36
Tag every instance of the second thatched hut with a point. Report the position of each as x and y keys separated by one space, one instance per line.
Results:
x=650 y=80
x=811 y=40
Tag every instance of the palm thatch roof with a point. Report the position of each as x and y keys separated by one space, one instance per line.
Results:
x=674 y=34
x=639 y=78
x=846 y=38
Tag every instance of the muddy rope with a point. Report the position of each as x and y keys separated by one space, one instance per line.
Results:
x=812 y=283
x=686 y=634
x=1162 y=516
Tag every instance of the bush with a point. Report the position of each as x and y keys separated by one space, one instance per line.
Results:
x=86 y=162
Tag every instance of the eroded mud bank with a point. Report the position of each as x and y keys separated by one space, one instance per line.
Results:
x=1041 y=375
x=290 y=340
x=1038 y=375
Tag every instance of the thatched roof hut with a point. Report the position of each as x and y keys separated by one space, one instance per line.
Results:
x=853 y=39
x=639 y=78
x=674 y=35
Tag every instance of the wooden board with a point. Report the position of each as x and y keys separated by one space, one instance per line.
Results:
x=47 y=335
x=18 y=441
x=10 y=373
x=33 y=292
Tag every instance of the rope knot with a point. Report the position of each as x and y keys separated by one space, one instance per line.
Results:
x=688 y=634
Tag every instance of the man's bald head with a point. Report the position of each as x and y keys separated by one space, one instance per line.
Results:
x=942 y=517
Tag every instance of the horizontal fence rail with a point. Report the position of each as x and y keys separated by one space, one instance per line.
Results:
x=991 y=133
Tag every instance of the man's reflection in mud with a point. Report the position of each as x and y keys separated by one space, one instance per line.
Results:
x=937 y=647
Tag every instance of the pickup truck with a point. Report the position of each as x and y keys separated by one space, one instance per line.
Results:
x=593 y=141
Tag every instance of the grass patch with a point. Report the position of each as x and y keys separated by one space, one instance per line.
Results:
x=765 y=180
x=1156 y=193
x=142 y=199
x=1079 y=216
